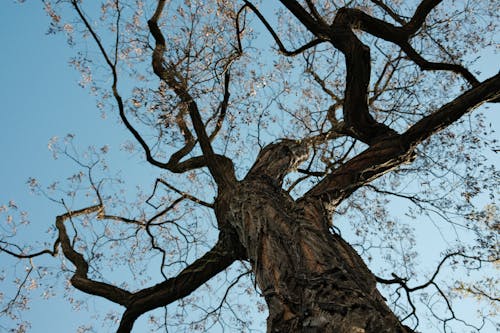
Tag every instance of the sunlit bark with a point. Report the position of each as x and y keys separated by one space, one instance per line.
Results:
x=311 y=278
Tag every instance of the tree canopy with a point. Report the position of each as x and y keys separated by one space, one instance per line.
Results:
x=359 y=124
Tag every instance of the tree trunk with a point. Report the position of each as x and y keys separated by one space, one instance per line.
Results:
x=312 y=280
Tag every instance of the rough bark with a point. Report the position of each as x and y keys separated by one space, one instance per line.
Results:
x=312 y=280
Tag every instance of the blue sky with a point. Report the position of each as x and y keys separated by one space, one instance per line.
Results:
x=40 y=99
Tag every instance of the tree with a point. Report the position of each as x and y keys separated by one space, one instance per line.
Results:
x=358 y=102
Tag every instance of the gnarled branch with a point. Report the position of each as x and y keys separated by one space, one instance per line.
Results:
x=80 y=279
x=221 y=169
x=389 y=154
x=220 y=257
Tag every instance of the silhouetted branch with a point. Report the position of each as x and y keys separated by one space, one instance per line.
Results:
x=219 y=168
x=222 y=107
x=403 y=283
x=182 y=193
x=174 y=164
x=220 y=257
x=273 y=33
x=421 y=13
x=21 y=255
x=79 y=279
x=389 y=11
x=389 y=154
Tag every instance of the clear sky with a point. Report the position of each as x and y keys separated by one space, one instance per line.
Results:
x=40 y=99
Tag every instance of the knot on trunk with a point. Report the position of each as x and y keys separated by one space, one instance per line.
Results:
x=276 y=160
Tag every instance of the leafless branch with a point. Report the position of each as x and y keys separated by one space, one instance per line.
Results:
x=219 y=168
x=273 y=33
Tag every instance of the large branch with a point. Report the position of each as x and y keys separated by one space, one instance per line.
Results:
x=220 y=257
x=318 y=29
x=356 y=112
x=358 y=63
x=220 y=168
x=400 y=36
x=357 y=118
x=358 y=66
x=421 y=13
x=487 y=91
x=391 y=153
x=173 y=164
x=80 y=279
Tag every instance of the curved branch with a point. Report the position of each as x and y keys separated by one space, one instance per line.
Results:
x=220 y=257
x=22 y=255
x=403 y=281
x=437 y=66
x=356 y=114
x=421 y=13
x=273 y=33
x=401 y=36
x=389 y=11
x=117 y=96
x=174 y=164
x=389 y=154
x=79 y=279
x=219 y=168
x=358 y=65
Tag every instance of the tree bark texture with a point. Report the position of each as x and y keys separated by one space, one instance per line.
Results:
x=312 y=280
